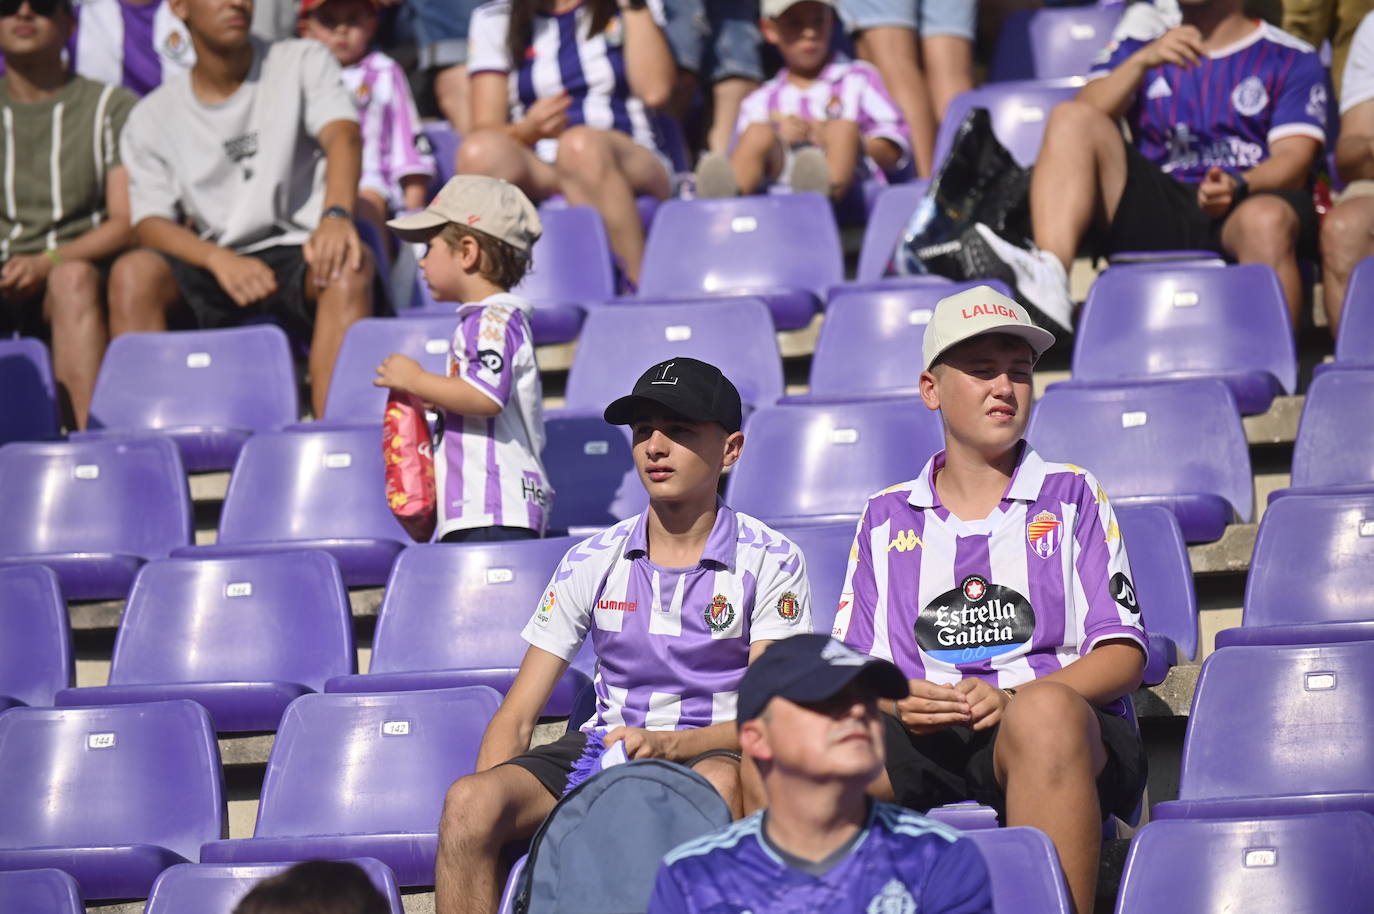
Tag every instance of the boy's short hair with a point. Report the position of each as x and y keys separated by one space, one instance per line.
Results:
x=501 y=263
x=315 y=887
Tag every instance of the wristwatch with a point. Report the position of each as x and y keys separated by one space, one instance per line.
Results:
x=636 y=4
x=338 y=212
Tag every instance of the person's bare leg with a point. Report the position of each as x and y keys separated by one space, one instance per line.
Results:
x=1347 y=237
x=1078 y=178
x=724 y=774
x=840 y=140
x=337 y=306
x=451 y=95
x=141 y=289
x=371 y=207
x=73 y=309
x=1264 y=229
x=948 y=67
x=892 y=49
x=726 y=97
x=494 y=153
x=757 y=157
x=1047 y=758
x=482 y=813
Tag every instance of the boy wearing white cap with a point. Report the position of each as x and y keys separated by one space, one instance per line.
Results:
x=998 y=583
x=490 y=482
x=818 y=125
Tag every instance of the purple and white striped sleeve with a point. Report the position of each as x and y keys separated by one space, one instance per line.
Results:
x=493 y=335
x=859 y=595
x=879 y=116
x=402 y=121
x=1103 y=572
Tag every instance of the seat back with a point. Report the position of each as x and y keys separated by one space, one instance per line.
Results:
x=1302 y=732
x=125 y=495
x=370 y=764
x=1024 y=870
x=1305 y=863
x=1150 y=439
x=742 y=245
x=275 y=617
x=1355 y=338
x=304 y=484
x=1330 y=450
x=1161 y=573
x=886 y=224
x=217 y=888
x=1051 y=43
x=123 y=774
x=1142 y=321
x=619 y=343
x=45 y=891
x=1330 y=538
x=592 y=471
x=239 y=378
x=869 y=341
x=826 y=548
x=30 y=412
x=824 y=460
x=443 y=145
x=352 y=395
x=36 y=649
x=1019 y=112
x=571 y=261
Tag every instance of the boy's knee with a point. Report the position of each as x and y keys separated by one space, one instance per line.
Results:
x=483 y=151
x=472 y=813
x=1345 y=234
x=1080 y=123
x=73 y=291
x=724 y=774
x=132 y=278
x=583 y=150
x=1264 y=226
x=1047 y=721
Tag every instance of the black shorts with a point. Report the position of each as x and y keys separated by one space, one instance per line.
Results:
x=1160 y=213
x=552 y=762
x=211 y=306
x=955 y=764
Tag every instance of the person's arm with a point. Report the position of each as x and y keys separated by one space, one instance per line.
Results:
x=1112 y=94
x=335 y=244
x=649 y=65
x=401 y=372
x=547 y=117
x=245 y=279
x=508 y=734
x=1355 y=148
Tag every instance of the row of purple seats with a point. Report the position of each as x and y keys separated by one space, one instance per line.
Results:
x=36 y=660
x=1330 y=452
x=30 y=412
x=1355 y=337
x=1060 y=41
x=216 y=888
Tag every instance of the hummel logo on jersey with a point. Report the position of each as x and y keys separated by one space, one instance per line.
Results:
x=1159 y=88
x=905 y=541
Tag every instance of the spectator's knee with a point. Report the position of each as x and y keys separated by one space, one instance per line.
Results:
x=472 y=816
x=1046 y=725
x=73 y=292
x=354 y=290
x=583 y=152
x=1080 y=122
x=1345 y=234
x=724 y=774
x=1266 y=229
x=483 y=151
x=129 y=285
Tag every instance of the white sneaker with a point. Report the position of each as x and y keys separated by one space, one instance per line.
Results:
x=1038 y=277
x=810 y=171
x=715 y=176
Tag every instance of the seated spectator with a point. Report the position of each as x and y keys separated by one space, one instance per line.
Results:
x=716 y=45
x=571 y=116
x=315 y=887
x=1315 y=21
x=245 y=208
x=131 y=43
x=441 y=36
x=1348 y=230
x=66 y=190
x=820 y=124
x=677 y=600
x=809 y=718
x=1228 y=117
x=396 y=173
x=999 y=584
x=923 y=50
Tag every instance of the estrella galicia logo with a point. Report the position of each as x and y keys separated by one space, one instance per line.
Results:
x=974 y=621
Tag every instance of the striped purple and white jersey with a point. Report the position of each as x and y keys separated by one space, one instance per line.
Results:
x=1229 y=109
x=390 y=126
x=1008 y=598
x=849 y=90
x=562 y=57
x=132 y=45
x=489 y=473
x=672 y=643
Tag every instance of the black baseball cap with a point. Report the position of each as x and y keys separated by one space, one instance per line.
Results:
x=689 y=387
x=812 y=667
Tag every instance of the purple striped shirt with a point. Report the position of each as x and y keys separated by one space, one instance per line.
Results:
x=389 y=124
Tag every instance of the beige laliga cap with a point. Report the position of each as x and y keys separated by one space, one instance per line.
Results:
x=974 y=312
x=772 y=9
x=489 y=205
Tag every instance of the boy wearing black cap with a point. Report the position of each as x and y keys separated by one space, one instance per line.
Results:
x=677 y=601
x=808 y=716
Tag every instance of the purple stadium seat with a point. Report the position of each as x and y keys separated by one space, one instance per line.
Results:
x=443 y=145
x=1330 y=537
x=869 y=341
x=487 y=592
x=549 y=323
x=1179 y=444
x=1172 y=322
x=30 y=410
x=112 y=796
x=619 y=342
x=826 y=547
x=783 y=249
x=364 y=776
x=646 y=204
x=312 y=489
x=1023 y=864
x=886 y=225
x=93 y=511
x=1355 y=338
x=45 y=891
x=1053 y=42
x=241 y=636
x=1190 y=257
x=208 y=390
x=352 y=395
x=591 y=469
x=216 y=888
x=1331 y=452
x=1019 y=112
x=1163 y=579
x=36 y=644
x=1278 y=730
x=965 y=816
x=512 y=889
x=814 y=463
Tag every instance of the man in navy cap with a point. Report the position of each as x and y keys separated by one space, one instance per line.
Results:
x=808 y=716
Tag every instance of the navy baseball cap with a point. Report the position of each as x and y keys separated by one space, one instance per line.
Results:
x=691 y=388
x=812 y=667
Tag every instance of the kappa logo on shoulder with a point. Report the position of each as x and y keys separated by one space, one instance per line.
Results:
x=905 y=541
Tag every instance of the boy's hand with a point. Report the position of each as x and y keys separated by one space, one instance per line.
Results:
x=985 y=701
x=546 y=118
x=1216 y=193
x=643 y=743
x=931 y=707
x=244 y=279
x=24 y=274
x=793 y=131
x=333 y=246
x=399 y=372
x=1180 y=46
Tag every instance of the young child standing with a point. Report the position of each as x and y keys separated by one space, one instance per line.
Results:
x=397 y=166
x=490 y=482
x=820 y=124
